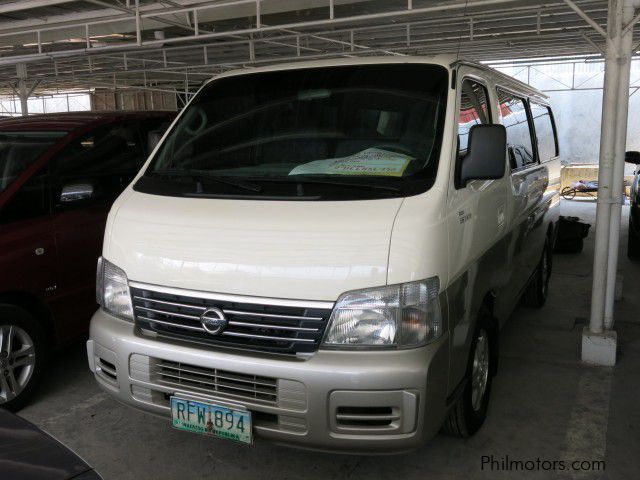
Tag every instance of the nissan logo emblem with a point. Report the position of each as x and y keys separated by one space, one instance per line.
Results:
x=213 y=320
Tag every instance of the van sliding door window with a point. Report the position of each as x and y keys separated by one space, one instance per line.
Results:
x=474 y=110
x=513 y=111
x=545 y=131
x=328 y=133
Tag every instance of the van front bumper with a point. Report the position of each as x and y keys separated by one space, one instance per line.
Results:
x=348 y=401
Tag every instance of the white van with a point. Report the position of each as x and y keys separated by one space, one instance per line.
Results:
x=322 y=254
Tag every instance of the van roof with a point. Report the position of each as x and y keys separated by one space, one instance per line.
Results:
x=71 y=121
x=448 y=61
x=444 y=60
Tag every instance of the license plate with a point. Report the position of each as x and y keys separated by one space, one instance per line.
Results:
x=209 y=419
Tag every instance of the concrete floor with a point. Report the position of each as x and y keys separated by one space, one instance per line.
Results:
x=545 y=405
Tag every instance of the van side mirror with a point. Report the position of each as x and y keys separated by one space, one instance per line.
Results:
x=76 y=192
x=486 y=154
x=632 y=157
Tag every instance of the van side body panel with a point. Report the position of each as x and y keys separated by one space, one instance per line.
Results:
x=479 y=238
x=497 y=230
x=419 y=231
x=480 y=264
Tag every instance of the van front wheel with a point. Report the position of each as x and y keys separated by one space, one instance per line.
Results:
x=470 y=410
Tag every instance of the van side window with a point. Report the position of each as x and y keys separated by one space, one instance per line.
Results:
x=545 y=131
x=474 y=110
x=108 y=158
x=513 y=111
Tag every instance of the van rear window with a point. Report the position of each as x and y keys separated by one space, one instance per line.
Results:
x=545 y=131
x=378 y=126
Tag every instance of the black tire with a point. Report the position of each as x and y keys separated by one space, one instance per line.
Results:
x=633 y=244
x=535 y=294
x=22 y=322
x=568 y=193
x=468 y=414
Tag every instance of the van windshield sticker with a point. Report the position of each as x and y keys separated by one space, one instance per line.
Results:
x=372 y=161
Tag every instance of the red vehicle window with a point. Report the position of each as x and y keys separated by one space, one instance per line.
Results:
x=18 y=150
x=31 y=201
x=107 y=158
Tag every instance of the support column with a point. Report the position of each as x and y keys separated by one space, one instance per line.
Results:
x=23 y=90
x=626 y=53
x=598 y=345
x=605 y=171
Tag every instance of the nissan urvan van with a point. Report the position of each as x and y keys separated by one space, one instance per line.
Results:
x=322 y=254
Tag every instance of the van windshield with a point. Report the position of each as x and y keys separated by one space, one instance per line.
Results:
x=18 y=150
x=344 y=132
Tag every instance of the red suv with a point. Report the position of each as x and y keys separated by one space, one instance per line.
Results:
x=59 y=175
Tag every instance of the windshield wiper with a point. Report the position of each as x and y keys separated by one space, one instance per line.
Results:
x=326 y=181
x=199 y=176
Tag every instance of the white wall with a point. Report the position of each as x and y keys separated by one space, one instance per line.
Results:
x=55 y=103
x=578 y=115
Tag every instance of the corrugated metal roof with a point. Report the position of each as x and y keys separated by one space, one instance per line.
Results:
x=94 y=43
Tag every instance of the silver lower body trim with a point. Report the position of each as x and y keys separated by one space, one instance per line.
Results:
x=345 y=401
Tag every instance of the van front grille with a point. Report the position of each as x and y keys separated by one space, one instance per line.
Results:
x=289 y=328
x=222 y=383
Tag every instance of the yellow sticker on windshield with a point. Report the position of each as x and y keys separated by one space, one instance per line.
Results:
x=372 y=161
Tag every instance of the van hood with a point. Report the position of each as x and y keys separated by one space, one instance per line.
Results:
x=278 y=249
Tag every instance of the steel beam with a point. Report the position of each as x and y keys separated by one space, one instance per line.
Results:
x=586 y=17
x=21 y=5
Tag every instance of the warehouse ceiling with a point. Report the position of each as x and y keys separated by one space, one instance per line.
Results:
x=176 y=44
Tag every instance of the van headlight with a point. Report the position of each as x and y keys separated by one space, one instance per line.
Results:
x=112 y=290
x=404 y=315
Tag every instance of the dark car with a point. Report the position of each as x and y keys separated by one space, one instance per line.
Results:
x=28 y=453
x=59 y=175
x=633 y=249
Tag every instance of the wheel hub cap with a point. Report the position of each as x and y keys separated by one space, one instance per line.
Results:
x=17 y=361
x=480 y=370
